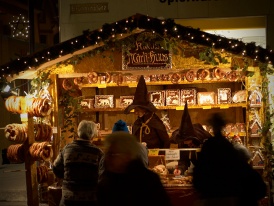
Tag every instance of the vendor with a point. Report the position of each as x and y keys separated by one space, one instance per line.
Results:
x=189 y=135
x=148 y=127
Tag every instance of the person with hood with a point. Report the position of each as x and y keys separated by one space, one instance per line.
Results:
x=126 y=180
x=148 y=127
x=221 y=176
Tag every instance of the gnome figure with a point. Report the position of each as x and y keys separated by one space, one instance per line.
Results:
x=148 y=127
x=189 y=135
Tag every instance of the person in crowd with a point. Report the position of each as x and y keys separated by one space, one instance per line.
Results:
x=121 y=126
x=148 y=127
x=223 y=178
x=241 y=149
x=77 y=165
x=126 y=180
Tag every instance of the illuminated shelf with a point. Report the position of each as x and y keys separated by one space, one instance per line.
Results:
x=134 y=84
x=221 y=106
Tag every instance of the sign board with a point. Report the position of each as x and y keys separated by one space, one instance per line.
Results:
x=153 y=152
x=173 y=154
x=146 y=53
x=89 y=8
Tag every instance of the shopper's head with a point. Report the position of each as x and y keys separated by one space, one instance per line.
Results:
x=218 y=122
x=86 y=130
x=120 y=125
x=120 y=149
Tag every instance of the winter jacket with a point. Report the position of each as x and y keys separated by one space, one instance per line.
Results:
x=77 y=164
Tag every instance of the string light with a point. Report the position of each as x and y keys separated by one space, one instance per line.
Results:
x=158 y=26
x=20 y=27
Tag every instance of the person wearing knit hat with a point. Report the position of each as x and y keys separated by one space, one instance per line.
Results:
x=188 y=134
x=120 y=125
x=148 y=127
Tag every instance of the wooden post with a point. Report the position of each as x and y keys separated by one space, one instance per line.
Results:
x=31 y=167
x=55 y=119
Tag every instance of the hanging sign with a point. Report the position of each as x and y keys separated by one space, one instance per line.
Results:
x=146 y=53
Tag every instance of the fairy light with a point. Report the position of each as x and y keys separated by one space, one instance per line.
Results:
x=230 y=44
x=19 y=27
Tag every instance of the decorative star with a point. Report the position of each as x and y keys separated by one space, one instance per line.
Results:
x=20 y=27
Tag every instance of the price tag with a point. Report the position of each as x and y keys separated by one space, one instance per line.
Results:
x=180 y=108
x=24 y=117
x=102 y=86
x=153 y=152
x=224 y=107
x=172 y=154
x=242 y=134
x=54 y=130
x=206 y=107
x=132 y=84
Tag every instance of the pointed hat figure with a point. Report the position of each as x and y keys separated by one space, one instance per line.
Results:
x=148 y=127
x=141 y=98
x=188 y=131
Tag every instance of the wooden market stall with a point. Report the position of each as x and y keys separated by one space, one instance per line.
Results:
x=94 y=76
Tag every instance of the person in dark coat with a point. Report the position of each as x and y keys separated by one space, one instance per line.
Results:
x=77 y=165
x=148 y=127
x=126 y=180
x=221 y=176
x=189 y=135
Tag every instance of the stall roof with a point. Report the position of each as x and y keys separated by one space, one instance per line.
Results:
x=89 y=40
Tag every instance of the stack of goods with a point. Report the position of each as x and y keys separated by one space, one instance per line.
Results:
x=15 y=153
x=33 y=106
x=42 y=174
x=42 y=132
x=41 y=151
x=16 y=132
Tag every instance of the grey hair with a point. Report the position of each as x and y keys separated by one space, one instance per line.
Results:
x=123 y=142
x=87 y=130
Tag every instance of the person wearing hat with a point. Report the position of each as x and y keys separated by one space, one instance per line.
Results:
x=189 y=135
x=148 y=127
x=121 y=126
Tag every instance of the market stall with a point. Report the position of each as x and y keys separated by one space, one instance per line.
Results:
x=94 y=76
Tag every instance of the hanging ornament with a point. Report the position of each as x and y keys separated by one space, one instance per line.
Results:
x=20 y=27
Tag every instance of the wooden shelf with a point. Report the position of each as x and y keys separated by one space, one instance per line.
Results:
x=221 y=106
x=134 y=84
